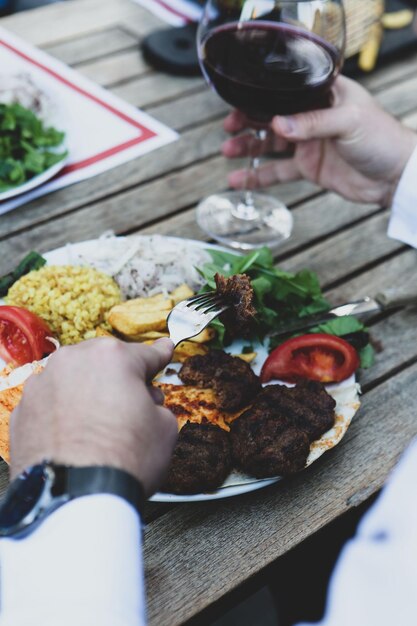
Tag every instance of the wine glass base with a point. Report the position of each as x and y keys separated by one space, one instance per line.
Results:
x=270 y=226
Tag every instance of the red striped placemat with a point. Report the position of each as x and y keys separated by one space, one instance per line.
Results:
x=102 y=131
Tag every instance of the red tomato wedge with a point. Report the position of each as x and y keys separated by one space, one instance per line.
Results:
x=317 y=356
x=23 y=336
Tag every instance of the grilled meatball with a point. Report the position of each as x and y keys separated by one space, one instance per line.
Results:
x=233 y=380
x=273 y=436
x=309 y=407
x=313 y=394
x=264 y=443
x=237 y=291
x=201 y=459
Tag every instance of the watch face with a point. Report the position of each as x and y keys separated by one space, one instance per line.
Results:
x=21 y=498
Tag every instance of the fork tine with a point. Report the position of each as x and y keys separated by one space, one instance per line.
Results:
x=201 y=297
x=208 y=304
x=191 y=316
x=202 y=303
x=213 y=308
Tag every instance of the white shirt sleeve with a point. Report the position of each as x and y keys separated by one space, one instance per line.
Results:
x=403 y=221
x=81 y=566
x=374 y=582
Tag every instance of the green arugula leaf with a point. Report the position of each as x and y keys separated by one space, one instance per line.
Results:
x=25 y=145
x=280 y=297
x=340 y=326
x=367 y=356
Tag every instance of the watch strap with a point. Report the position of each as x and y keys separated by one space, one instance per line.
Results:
x=83 y=481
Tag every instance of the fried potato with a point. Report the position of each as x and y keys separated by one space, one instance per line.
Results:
x=144 y=319
x=141 y=315
x=206 y=335
x=186 y=349
x=248 y=357
x=151 y=334
x=181 y=293
x=102 y=332
x=158 y=302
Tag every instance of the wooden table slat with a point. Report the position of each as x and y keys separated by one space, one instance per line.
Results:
x=93 y=46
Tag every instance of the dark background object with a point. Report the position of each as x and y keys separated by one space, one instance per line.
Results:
x=173 y=50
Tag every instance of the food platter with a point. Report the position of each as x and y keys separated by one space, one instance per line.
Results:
x=345 y=394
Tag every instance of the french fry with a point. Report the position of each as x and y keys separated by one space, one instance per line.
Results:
x=159 y=302
x=181 y=293
x=151 y=334
x=186 y=349
x=140 y=315
x=102 y=332
x=248 y=357
x=135 y=321
x=397 y=19
x=369 y=53
x=206 y=335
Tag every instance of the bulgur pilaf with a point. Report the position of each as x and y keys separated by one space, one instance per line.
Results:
x=73 y=300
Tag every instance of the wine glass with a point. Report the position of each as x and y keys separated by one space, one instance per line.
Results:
x=265 y=58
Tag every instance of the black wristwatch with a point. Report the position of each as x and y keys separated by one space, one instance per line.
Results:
x=42 y=488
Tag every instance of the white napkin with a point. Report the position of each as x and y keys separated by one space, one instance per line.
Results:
x=102 y=131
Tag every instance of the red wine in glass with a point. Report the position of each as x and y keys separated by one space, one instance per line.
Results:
x=266 y=69
x=265 y=58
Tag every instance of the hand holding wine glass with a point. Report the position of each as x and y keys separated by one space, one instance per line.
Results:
x=355 y=148
x=265 y=58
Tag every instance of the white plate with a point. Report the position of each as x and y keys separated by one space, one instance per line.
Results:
x=53 y=114
x=345 y=394
x=36 y=180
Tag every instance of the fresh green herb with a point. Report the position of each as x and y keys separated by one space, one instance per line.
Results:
x=25 y=146
x=32 y=261
x=282 y=297
x=367 y=356
x=279 y=296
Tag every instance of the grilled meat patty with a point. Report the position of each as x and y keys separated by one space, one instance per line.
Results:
x=308 y=406
x=264 y=443
x=201 y=460
x=233 y=380
x=273 y=437
x=236 y=291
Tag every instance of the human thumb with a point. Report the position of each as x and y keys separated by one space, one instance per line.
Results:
x=319 y=124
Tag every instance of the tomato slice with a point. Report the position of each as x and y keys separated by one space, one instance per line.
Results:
x=316 y=356
x=23 y=336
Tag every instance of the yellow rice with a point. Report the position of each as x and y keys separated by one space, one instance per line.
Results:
x=73 y=300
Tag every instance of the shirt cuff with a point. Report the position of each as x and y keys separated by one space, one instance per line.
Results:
x=82 y=565
x=403 y=221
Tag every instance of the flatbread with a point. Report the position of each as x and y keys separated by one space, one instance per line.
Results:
x=196 y=405
x=11 y=390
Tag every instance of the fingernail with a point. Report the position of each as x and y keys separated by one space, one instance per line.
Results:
x=157 y=395
x=286 y=125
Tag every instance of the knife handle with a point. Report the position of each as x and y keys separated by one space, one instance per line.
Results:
x=390 y=298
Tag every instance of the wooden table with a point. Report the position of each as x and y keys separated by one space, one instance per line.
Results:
x=195 y=554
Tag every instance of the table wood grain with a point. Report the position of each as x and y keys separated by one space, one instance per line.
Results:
x=196 y=554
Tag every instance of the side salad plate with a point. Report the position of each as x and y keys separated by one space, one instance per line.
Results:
x=33 y=146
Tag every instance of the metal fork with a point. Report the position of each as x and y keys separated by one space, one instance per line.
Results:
x=189 y=317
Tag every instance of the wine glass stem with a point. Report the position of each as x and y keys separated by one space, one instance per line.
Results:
x=246 y=209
